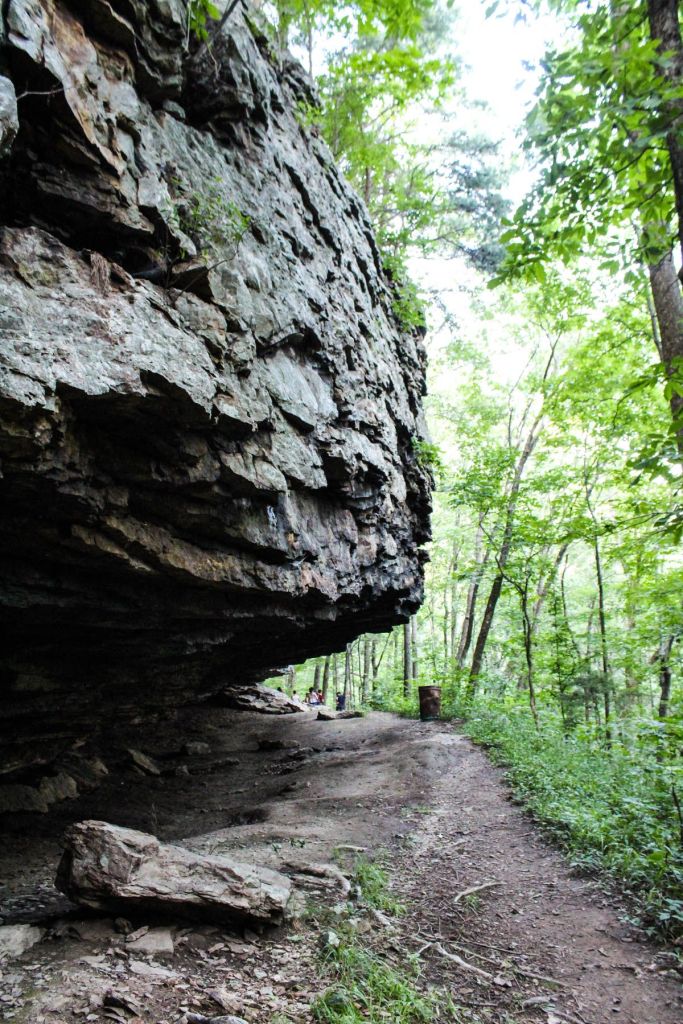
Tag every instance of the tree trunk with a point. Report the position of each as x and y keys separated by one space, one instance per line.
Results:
x=407 y=660
x=414 y=646
x=450 y=605
x=604 y=655
x=665 y=29
x=663 y=656
x=316 y=676
x=375 y=661
x=472 y=594
x=664 y=282
x=396 y=657
x=326 y=679
x=668 y=305
x=528 y=648
x=497 y=585
x=348 y=688
x=335 y=677
x=544 y=585
x=367 y=664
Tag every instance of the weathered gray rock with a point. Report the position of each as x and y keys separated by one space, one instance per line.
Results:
x=195 y=748
x=326 y=715
x=106 y=866
x=143 y=763
x=19 y=797
x=207 y=404
x=51 y=789
x=153 y=941
x=58 y=787
x=9 y=116
x=262 y=699
x=15 y=939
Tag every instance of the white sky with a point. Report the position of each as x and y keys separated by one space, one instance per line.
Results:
x=495 y=53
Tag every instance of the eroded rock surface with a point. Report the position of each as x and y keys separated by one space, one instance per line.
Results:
x=9 y=118
x=108 y=867
x=208 y=408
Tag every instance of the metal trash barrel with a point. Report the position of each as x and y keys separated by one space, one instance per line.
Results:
x=430 y=702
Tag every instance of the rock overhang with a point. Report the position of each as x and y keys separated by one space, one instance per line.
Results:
x=207 y=444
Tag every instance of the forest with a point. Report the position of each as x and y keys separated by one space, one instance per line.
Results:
x=341 y=344
x=554 y=323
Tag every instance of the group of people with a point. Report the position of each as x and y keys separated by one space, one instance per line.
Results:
x=315 y=697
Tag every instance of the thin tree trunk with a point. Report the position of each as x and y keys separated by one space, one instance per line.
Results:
x=214 y=33
x=544 y=586
x=497 y=585
x=316 y=676
x=528 y=649
x=326 y=679
x=472 y=593
x=414 y=646
x=570 y=631
x=348 y=688
x=663 y=656
x=367 y=665
x=407 y=660
x=395 y=657
x=604 y=653
x=450 y=595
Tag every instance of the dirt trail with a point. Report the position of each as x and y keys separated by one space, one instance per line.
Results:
x=539 y=917
x=420 y=792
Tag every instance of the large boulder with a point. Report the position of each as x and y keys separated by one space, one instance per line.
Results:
x=112 y=868
x=209 y=407
x=262 y=699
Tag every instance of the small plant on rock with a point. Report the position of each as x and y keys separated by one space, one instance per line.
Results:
x=207 y=216
x=199 y=14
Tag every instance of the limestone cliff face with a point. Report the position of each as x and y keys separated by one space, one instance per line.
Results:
x=208 y=409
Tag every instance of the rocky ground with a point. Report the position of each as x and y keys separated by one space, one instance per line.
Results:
x=497 y=919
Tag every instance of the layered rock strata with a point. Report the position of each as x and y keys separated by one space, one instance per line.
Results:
x=208 y=407
x=112 y=868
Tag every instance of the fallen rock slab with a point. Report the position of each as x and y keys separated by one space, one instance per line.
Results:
x=262 y=699
x=16 y=797
x=154 y=941
x=143 y=763
x=15 y=939
x=327 y=715
x=51 y=789
x=196 y=747
x=108 y=867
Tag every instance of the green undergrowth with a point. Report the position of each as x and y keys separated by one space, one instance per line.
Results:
x=613 y=809
x=371 y=979
x=373 y=881
x=365 y=986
